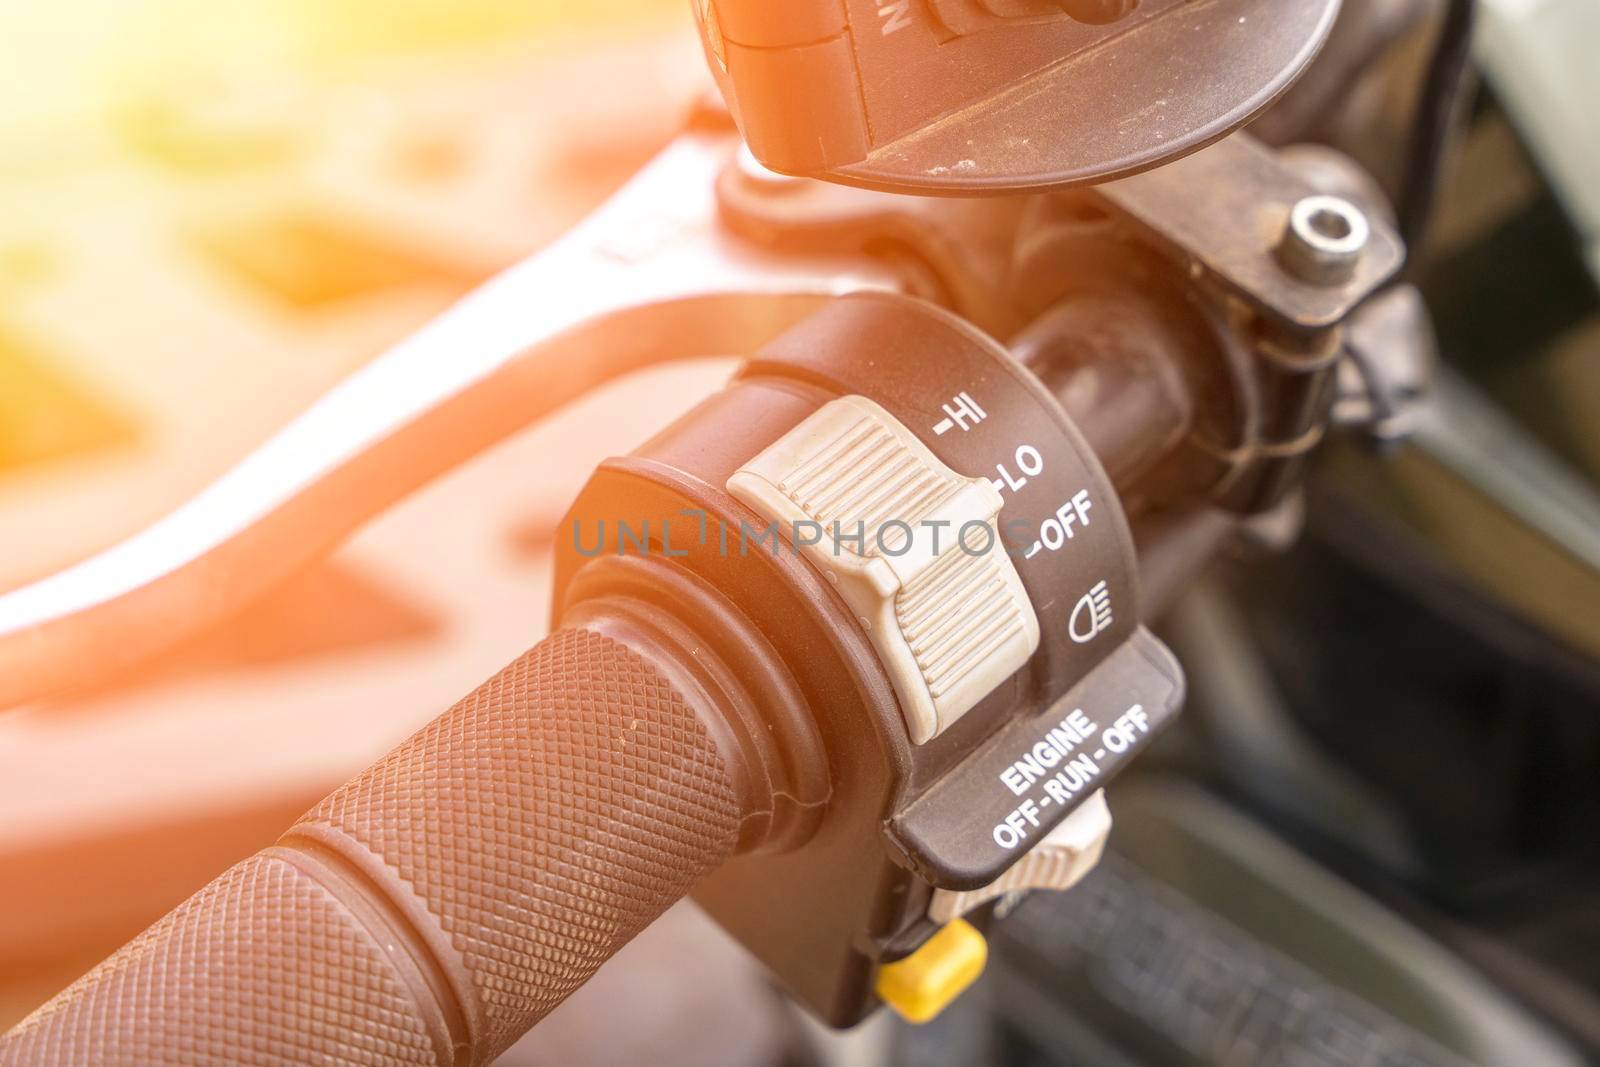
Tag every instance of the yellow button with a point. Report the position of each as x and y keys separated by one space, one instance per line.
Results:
x=925 y=982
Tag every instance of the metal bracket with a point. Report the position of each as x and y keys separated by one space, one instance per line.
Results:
x=649 y=277
x=1226 y=210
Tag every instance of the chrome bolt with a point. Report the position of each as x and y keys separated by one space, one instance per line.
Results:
x=1324 y=239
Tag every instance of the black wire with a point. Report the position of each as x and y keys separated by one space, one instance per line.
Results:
x=1437 y=107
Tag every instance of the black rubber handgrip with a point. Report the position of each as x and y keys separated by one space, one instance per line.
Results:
x=435 y=908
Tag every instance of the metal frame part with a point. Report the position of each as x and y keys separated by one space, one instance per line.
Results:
x=650 y=277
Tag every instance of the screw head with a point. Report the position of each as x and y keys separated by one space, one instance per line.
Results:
x=1324 y=239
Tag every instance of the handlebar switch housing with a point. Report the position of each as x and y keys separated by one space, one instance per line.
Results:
x=896 y=821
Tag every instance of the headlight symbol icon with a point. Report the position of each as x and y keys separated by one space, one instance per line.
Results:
x=1092 y=616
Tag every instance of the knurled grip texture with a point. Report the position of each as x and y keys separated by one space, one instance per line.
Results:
x=436 y=907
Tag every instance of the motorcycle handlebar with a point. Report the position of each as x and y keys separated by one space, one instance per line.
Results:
x=436 y=907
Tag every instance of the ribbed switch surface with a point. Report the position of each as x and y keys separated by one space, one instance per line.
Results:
x=912 y=546
x=1058 y=862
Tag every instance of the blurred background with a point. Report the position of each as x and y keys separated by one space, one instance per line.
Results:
x=210 y=213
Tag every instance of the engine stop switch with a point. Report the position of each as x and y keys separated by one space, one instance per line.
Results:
x=1061 y=859
x=913 y=547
